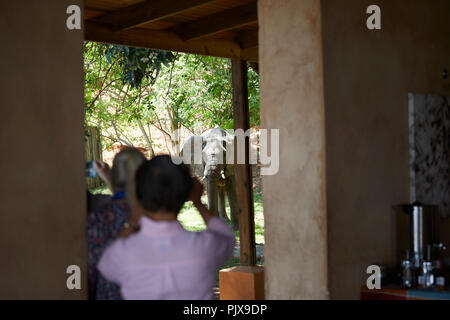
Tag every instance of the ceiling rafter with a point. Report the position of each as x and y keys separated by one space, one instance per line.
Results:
x=247 y=39
x=148 y=11
x=165 y=40
x=223 y=21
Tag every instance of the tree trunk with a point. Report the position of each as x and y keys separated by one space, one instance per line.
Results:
x=147 y=138
x=152 y=152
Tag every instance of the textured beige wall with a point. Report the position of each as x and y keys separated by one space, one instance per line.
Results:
x=292 y=101
x=42 y=188
x=368 y=75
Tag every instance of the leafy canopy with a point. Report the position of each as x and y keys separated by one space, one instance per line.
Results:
x=130 y=92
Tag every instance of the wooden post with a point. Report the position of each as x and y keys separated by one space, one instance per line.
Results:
x=243 y=171
x=93 y=151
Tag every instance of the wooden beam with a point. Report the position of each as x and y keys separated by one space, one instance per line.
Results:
x=150 y=10
x=227 y=20
x=163 y=40
x=250 y=54
x=248 y=39
x=243 y=172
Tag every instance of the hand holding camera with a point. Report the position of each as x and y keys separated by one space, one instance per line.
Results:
x=99 y=168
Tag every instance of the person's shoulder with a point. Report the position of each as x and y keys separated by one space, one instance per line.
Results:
x=129 y=242
x=203 y=237
x=112 y=210
x=120 y=245
x=99 y=209
x=97 y=201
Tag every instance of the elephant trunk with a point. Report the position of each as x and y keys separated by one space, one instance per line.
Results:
x=213 y=195
x=211 y=169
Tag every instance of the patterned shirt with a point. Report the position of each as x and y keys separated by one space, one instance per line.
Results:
x=103 y=226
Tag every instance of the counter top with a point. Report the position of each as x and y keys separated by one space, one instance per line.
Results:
x=396 y=293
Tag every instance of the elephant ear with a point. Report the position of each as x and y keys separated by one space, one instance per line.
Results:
x=229 y=145
x=229 y=138
x=192 y=146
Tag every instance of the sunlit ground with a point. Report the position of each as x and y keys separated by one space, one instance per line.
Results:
x=192 y=221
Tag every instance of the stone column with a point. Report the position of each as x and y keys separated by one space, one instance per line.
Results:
x=292 y=100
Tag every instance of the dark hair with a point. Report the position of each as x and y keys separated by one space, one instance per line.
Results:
x=163 y=185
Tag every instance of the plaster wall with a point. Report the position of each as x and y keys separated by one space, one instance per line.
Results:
x=292 y=101
x=42 y=187
x=367 y=76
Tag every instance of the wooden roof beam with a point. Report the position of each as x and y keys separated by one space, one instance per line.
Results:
x=248 y=39
x=150 y=10
x=164 y=40
x=226 y=20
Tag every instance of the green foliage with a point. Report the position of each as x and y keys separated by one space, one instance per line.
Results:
x=132 y=89
x=138 y=64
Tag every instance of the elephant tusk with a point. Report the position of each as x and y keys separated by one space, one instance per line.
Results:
x=222 y=174
x=203 y=178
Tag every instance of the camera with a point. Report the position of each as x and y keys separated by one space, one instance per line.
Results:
x=91 y=172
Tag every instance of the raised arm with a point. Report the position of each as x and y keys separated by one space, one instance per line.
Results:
x=104 y=172
x=218 y=236
x=196 y=197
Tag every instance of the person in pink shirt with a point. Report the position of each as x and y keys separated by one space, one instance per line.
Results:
x=162 y=260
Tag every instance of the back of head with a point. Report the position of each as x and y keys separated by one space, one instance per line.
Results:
x=162 y=185
x=123 y=172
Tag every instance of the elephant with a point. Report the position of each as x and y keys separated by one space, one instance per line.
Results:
x=210 y=163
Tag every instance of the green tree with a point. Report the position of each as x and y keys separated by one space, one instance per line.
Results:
x=118 y=80
x=134 y=90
